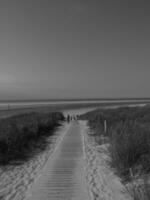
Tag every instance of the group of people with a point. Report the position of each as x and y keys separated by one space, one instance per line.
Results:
x=72 y=118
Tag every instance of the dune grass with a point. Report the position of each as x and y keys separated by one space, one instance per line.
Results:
x=128 y=133
x=24 y=135
x=128 y=136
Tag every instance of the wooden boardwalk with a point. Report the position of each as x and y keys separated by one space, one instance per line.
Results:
x=63 y=177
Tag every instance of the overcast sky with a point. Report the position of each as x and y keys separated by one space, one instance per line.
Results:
x=74 y=49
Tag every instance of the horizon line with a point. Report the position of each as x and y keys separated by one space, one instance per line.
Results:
x=75 y=99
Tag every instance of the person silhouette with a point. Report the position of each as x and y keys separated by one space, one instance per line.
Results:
x=68 y=118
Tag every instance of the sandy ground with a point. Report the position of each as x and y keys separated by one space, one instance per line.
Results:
x=15 y=181
x=63 y=177
x=103 y=183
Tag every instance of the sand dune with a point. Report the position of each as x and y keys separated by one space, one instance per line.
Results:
x=16 y=180
x=103 y=183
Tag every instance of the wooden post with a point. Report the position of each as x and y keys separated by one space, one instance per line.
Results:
x=105 y=126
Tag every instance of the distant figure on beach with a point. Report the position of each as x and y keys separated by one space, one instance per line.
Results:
x=68 y=118
x=75 y=118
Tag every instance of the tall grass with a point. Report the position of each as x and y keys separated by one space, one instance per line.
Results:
x=128 y=132
x=22 y=136
x=130 y=148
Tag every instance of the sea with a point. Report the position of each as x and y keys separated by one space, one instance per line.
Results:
x=27 y=104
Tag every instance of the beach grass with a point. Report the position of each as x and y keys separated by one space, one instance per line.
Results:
x=22 y=136
x=128 y=134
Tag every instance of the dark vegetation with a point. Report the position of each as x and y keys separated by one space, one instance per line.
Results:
x=24 y=135
x=128 y=133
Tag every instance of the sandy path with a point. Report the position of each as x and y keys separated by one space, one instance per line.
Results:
x=63 y=177
x=16 y=180
x=103 y=183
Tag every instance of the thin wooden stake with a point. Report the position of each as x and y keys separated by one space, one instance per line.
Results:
x=105 y=126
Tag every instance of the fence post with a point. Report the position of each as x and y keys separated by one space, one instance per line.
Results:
x=105 y=126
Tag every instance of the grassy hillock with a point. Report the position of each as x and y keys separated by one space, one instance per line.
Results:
x=24 y=135
x=128 y=133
